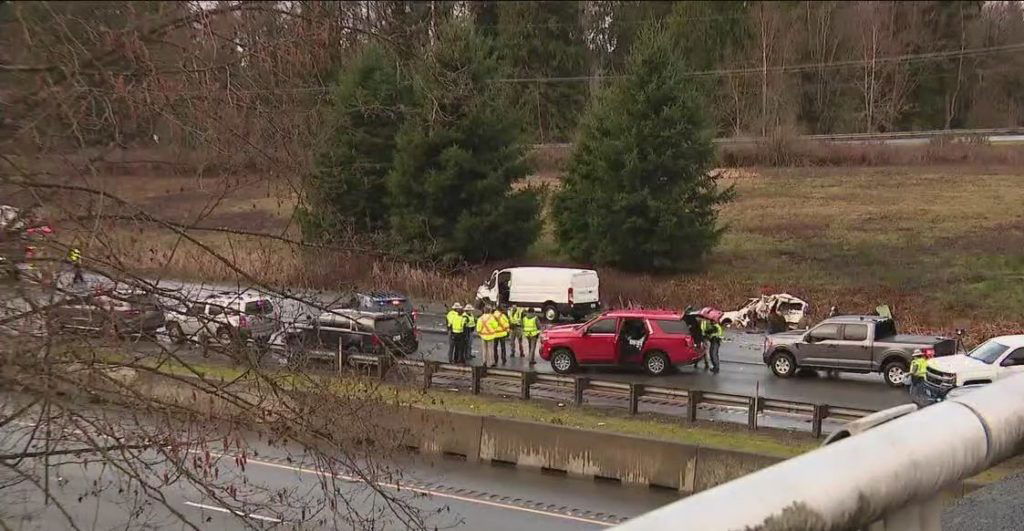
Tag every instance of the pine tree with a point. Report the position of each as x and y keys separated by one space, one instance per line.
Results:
x=638 y=193
x=347 y=190
x=458 y=157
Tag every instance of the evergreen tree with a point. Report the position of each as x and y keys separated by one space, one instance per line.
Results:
x=638 y=193
x=347 y=190
x=458 y=157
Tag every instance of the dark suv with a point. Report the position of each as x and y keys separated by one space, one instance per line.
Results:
x=389 y=302
x=115 y=312
x=356 y=331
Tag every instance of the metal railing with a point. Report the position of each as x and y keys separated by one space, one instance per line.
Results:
x=580 y=388
x=888 y=477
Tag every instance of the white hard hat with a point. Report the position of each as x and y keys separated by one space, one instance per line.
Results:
x=457 y=306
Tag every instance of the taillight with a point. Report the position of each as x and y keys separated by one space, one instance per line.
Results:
x=30 y=252
x=415 y=314
x=570 y=295
x=375 y=341
x=243 y=322
x=928 y=352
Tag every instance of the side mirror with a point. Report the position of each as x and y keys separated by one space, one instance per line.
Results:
x=808 y=338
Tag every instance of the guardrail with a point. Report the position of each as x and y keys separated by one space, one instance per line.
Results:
x=892 y=475
x=632 y=394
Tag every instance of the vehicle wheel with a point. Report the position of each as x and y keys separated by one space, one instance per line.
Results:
x=656 y=364
x=783 y=364
x=562 y=361
x=111 y=330
x=550 y=313
x=894 y=372
x=224 y=335
x=175 y=334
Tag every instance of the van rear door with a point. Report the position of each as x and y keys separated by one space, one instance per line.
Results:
x=585 y=288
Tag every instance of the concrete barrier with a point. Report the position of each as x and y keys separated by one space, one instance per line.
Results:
x=585 y=453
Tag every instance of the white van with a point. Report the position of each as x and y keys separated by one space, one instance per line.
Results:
x=554 y=291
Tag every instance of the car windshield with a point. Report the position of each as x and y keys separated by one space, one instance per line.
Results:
x=988 y=352
x=393 y=326
x=260 y=307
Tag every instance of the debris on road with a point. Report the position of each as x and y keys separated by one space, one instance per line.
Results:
x=767 y=308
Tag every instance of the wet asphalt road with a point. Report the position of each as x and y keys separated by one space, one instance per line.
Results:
x=742 y=372
x=281 y=482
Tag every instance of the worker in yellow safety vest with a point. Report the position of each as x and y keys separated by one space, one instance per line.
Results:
x=515 y=320
x=75 y=259
x=531 y=329
x=485 y=329
x=455 y=324
x=713 y=333
x=501 y=334
x=469 y=318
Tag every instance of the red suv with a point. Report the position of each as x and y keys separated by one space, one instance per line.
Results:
x=654 y=339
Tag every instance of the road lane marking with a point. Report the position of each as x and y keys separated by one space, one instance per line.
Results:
x=421 y=490
x=236 y=513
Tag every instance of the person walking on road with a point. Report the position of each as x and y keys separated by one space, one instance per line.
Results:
x=515 y=319
x=714 y=333
x=531 y=329
x=918 y=370
x=469 y=318
x=74 y=258
x=454 y=315
x=501 y=334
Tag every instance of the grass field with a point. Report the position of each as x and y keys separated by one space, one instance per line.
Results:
x=942 y=245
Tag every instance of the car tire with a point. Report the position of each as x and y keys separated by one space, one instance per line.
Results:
x=224 y=335
x=894 y=372
x=783 y=364
x=550 y=313
x=175 y=334
x=657 y=364
x=562 y=361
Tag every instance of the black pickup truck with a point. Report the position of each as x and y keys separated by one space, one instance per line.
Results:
x=851 y=343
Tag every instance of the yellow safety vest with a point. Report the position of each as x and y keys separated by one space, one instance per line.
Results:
x=711 y=329
x=470 y=320
x=458 y=324
x=919 y=367
x=501 y=325
x=530 y=328
x=516 y=316
x=74 y=255
x=451 y=317
x=483 y=327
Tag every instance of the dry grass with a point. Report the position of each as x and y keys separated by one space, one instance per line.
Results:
x=784 y=150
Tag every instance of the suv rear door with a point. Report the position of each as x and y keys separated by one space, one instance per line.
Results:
x=396 y=330
x=597 y=343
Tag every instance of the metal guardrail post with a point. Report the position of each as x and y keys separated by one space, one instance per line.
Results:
x=428 y=373
x=476 y=374
x=635 y=390
x=579 y=385
x=818 y=415
x=525 y=379
x=342 y=357
x=382 y=367
x=752 y=414
x=692 y=401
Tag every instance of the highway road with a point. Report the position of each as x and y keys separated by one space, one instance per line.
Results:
x=282 y=486
x=743 y=372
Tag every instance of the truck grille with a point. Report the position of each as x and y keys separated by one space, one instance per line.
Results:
x=939 y=378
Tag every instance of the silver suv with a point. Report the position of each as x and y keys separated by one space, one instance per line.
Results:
x=226 y=317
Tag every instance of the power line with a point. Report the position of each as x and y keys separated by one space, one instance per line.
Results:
x=930 y=56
